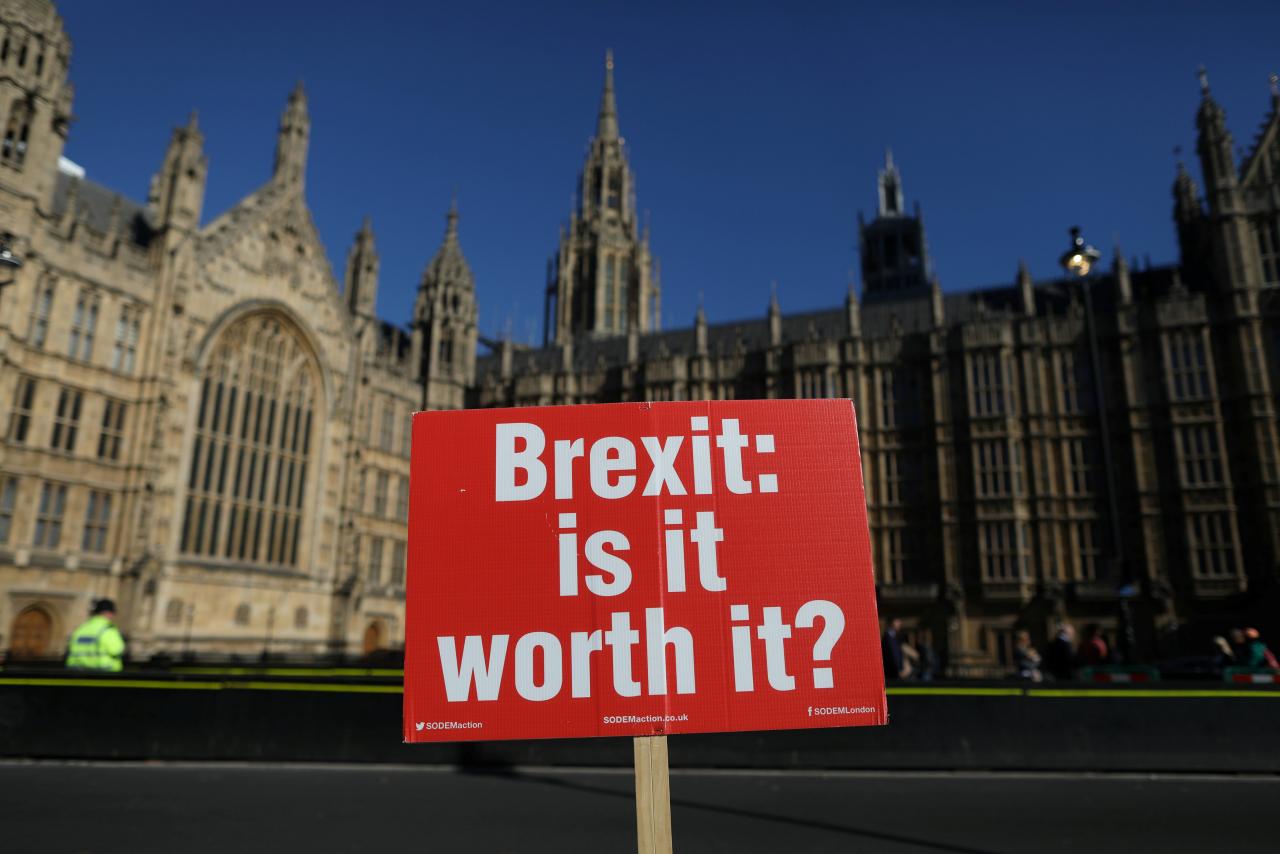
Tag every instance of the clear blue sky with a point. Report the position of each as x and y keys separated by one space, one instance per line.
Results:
x=755 y=130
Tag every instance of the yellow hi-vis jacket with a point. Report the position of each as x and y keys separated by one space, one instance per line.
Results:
x=96 y=645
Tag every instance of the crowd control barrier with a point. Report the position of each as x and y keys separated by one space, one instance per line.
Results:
x=1119 y=674
x=1251 y=676
x=343 y=715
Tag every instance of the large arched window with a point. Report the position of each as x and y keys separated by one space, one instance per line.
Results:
x=251 y=447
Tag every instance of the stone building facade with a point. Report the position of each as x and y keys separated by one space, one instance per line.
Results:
x=984 y=416
x=202 y=422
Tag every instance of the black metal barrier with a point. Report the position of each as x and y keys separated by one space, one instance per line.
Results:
x=309 y=715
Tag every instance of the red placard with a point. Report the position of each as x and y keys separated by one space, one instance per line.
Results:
x=639 y=569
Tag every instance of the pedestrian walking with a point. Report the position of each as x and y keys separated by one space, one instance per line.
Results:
x=928 y=665
x=1256 y=654
x=1060 y=656
x=1093 y=649
x=1223 y=655
x=1026 y=661
x=891 y=650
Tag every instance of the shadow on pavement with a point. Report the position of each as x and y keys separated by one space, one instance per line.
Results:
x=589 y=788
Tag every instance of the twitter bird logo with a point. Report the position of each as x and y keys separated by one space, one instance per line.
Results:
x=420 y=725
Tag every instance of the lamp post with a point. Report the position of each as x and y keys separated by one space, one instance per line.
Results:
x=10 y=261
x=1078 y=261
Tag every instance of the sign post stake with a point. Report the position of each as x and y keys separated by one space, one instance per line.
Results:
x=653 y=795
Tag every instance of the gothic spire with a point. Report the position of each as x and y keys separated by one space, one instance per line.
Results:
x=448 y=268
x=1120 y=269
x=1215 y=147
x=297 y=106
x=607 y=124
x=602 y=279
x=1210 y=114
x=451 y=219
x=1026 y=289
x=890 y=184
x=446 y=322
x=360 y=283
x=852 y=310
x=291 y=141
x=177 y=190
x=1186 y=194
x=774 y=316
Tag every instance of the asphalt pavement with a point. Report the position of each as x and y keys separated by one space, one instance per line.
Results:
x=104 y=808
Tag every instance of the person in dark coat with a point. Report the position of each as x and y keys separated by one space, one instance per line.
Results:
x=1060 y=656
x=891 y=648
x=1223 y=655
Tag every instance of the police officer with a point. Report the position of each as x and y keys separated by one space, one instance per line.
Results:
x=96 y=644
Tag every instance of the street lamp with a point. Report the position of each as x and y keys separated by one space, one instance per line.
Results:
x=10 y=261
x=1080 y=258
x=1078 y=261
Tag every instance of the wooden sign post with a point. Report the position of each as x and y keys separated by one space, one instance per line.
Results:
x=653 y=795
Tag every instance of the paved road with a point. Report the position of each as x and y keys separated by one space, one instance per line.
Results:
x=92 y=809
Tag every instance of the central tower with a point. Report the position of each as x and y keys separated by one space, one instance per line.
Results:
x=895 y=257
x=600 y=282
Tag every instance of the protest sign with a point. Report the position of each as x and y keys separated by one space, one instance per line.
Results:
x=639 y=569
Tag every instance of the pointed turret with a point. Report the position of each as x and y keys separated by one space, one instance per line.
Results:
x=607 y=123
x=895 y=258
x=602 y=278
x=1210 y=113
x=1026 y=290
x=1187 y=205
x=775 y=317
x=448 y=272
x=1215 y=147
x=1189 y=219
x=852 y=310
x=445 y=322
x=1120 y=270
x=890 y=185
x=360 y=284
x=1227 y=224
x=451 y=222
x=936 y=305
x=292 y=140
x=700 y=330
x=177 y=190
